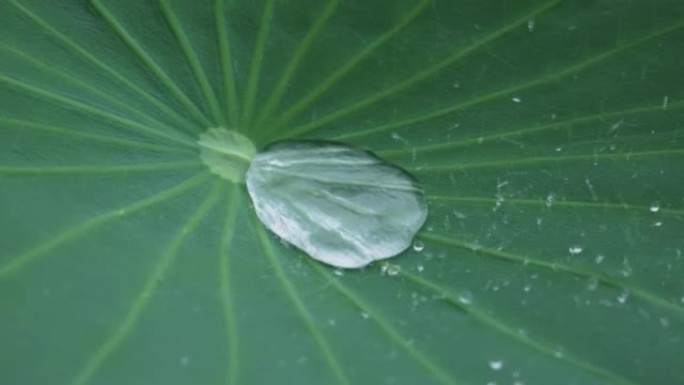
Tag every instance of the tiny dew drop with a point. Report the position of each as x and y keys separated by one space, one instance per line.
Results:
x=575 y=249
x=655 y=207
x=465 y=297
x=593 y=283
x=418 y=246
x=496 y=364
x=622 y=297
x=341 y=205
x=226 y=153
x=393 y=270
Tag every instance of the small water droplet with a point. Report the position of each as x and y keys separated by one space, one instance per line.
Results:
x=665 y=322
x=393 y=270
x=184 y=361
x=527 y=288
x=418 y=246
x=420 y=268
x=622 y=297
x=457 y=84
x=559 y=149
x=666 y=99
x=499 y=201
x=302 y=360
x=657 y=223
x=549 y=199
x=365 y=315
x=338 y=272
x=496 y=364
x=558 y=353
x=655 y=207
x=593 y=283
x=599 y=259
x=530 y=25
x=459 y=215
x=575 y=249
x=616 y=126
x=465 y=297
x=516 y=99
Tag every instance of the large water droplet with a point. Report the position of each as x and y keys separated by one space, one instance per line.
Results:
x=341 y=205
x=226 y=153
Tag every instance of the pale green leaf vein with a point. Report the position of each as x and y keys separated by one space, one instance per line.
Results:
x=294 y=297
x=276 y=96
x=81 y=107
x=496 y=325
x=141 y=302
x=28 y=171
x=255 y=65
x=386 y=327
x=226 y=59
x=325 y=85
x=152 y=122
x=193 y=60
x=45 y=247
x=508 y=163
x=542 y=202
x=643 y=293
x=540 y=80
x=149 y=62
x=230 y=320
x=70 y=44
x=562 y=124
x=64 y=132
x=410 y=82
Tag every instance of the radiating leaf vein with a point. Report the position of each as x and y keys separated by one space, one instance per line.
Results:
x=148 y=290
x=72 y=233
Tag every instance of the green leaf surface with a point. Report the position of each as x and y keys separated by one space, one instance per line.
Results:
x=547 y=135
